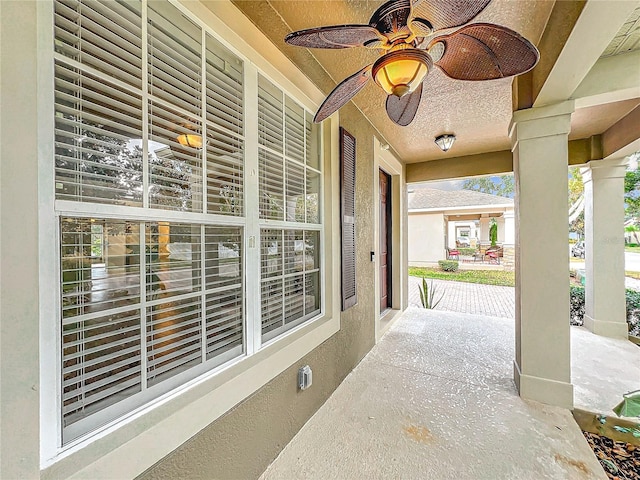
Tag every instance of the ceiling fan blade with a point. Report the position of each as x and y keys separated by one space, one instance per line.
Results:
x=391 y=17
x=448 y=13
x=484 y=51
x=344 y=92
x=337 y=36
x=403 y=110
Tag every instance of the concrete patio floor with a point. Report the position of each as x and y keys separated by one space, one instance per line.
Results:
x=435 y=399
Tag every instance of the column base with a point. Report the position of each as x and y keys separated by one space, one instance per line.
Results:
x=543 y=390
x=606 y=329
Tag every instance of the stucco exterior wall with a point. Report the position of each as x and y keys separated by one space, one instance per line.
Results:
x=243 y=442
x=426 y=238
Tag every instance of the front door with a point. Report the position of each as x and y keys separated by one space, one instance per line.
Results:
x=385 y=243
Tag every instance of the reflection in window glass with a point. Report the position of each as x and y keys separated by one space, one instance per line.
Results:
x=100 y=299
x=271 y=185
x=313 y=197
x=174 y=58
x=289 y=179
x=223 y=257
x=225 y=178
x=173 y=259
x=97 y=144
x=100 y=262
x=294 y=181
x=175 y=160
x=290 y=291
x=174 y=337
x=103 y=316
x=294 y=130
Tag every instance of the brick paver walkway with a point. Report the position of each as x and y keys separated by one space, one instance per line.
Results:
x=490 y=300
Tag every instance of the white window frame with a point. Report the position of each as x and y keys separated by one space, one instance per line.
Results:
x=122 y=448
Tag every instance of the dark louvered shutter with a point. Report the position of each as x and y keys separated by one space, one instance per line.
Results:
x=347 y=211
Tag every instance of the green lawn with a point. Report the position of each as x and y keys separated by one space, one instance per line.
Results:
x=632 y=249
x=487 y=277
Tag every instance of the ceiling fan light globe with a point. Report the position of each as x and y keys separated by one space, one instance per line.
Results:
x=190 y=140
x=399 y=73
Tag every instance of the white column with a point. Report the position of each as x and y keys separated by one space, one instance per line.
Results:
x=451 y=234
x=484 y=228
x=500 y=222
x=542 y=367
x=509 y=228
x=605 y=309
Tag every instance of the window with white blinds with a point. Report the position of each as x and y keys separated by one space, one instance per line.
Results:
x=150 y=123
x=290 y=273
x=290 y=182
x=118 y=344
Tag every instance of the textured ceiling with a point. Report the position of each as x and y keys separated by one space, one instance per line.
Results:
x=478 y=113
x=628 y=38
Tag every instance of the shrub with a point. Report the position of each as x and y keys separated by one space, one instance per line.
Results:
x=576 y=312
x=576 y=305
x=448 y=265
x=633 y=312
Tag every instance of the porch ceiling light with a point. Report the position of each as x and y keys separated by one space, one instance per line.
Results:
x=445 y=142
x=190 y=140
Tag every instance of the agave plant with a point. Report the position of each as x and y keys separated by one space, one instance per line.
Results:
x=428 y=295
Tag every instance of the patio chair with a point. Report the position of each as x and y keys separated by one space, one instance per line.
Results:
x=453 y=254
x=493 y=257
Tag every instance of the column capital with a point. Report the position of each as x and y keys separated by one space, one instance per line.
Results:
x=541 y=122
x=508 y=214
x=601 y=169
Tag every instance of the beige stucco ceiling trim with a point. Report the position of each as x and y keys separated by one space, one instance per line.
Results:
x=584 y=150
x=580 y=152
x=611 y=79
x=622 y=134
x=597 y=24
x=492 y=163
x=497 y=208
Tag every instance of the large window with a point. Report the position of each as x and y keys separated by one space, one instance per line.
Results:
x=289 y=198
x=153 y=199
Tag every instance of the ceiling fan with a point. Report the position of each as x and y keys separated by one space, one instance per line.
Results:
x=408 y=34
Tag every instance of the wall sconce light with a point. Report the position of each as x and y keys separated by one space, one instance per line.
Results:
x=190 y=140
x=445 y=142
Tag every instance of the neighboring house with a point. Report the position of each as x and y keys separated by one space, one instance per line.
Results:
x=444 y=219
x=178 y=238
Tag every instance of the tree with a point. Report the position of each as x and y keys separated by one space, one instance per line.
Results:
x=502 y=185
x=632 y=189
x=576 y=201
x=633 y=229
x=493 y=232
